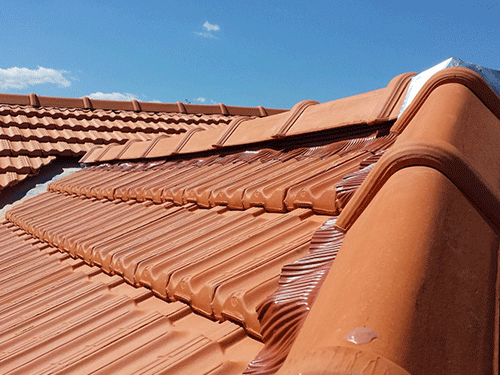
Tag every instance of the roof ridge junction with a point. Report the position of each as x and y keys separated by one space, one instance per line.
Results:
x=428 y=295
x=306 y=117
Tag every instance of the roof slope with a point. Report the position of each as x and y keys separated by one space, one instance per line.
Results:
x=211 y=230
x=59 y=315
x=34 y=129
x=423 y=300
x=234 y=222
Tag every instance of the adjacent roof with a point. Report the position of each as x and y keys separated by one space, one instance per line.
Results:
x=332 y=238
x=35 y=129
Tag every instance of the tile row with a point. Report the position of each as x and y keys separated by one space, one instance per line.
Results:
x=36 y=148
x=128 y=109
x=282 y=313
x=8 y=179
x=42 y=134
x=23 y=164
x=372 y=108
x=59 y=315
x=60 y=119
x=222 y=262
x=15 y=169
x=279 y=181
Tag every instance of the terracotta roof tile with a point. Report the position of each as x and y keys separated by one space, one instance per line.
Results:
x=127 y=110
x=269 y=180
x=235 y=228
x=23 y=164
x=41 y=126
x=375 y=107
x=8 y=179
x=441 y=180
x=283 y=312
x=60 y=315
x=155 y=246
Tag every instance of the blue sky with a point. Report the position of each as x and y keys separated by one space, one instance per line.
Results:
x=249 y=53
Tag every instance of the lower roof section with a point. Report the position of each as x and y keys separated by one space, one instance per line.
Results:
x=222 y=262
x=59 y=315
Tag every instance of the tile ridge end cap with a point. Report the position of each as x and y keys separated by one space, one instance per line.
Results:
x=437 y=154
x=231 y=127
x=295 y=112
x=394 y=89
x=459 y=75
x=34 y=101
x=88 y=154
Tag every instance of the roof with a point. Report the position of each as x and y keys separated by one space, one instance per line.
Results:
x=336 y=237
x=35 y=129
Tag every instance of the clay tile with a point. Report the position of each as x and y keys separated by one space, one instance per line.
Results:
x=34 y=100
x=180 y=107
x=14 y=99
x=231 y=128
x=153 y=144
x=126 y=146
x=262 y=111
x=203 y=141
x=102 y=155
x=87 y=102
x=136 y=105
x=89 y=156
x=295 y=113
x=396 y=90
x=463 y=76
x=134 y=149
x=256 y=130
x=185 y=139
x=223 y=109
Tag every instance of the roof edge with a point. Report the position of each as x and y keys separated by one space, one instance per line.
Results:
x=439 y=155
x=305 y=117
x=439 y=180
x=463 y=76
x=135 y=105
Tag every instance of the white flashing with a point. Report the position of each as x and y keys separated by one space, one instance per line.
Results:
x=489 y=75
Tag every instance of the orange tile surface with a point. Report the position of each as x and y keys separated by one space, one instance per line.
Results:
x=375 y=107
x=423 y=300
x=177 y=251
x=279 y=181
x=32 y=126
x=331 y=237
x=180 y=237
x=60 y=316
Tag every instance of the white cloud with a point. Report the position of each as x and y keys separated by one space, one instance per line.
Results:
x=210 y=27
x=20 y=78
x=112 y=96
x=205 y=35
x=200 y=99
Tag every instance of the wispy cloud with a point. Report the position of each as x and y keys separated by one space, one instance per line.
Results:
x=205 y=35
x=20 y=78
x=210 y=26
x=112 y=96
x=209 y=29
x=201 y=99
